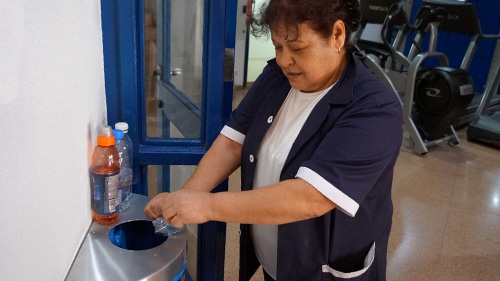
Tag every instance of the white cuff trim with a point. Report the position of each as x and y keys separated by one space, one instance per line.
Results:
x=345 y=203
x=233 y=134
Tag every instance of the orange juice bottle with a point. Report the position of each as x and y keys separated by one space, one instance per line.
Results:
x=105 y=175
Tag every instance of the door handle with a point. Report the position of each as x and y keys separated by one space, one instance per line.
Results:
x=176 y=71
x=173 y=72
x=157 y=72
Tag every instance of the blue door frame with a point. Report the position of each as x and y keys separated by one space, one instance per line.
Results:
x=123 y=47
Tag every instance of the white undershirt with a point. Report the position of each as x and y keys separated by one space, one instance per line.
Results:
x=271 y=157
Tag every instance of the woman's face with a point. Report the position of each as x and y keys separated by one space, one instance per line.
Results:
x=310 y=62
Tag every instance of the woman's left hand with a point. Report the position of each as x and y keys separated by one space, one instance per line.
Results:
x=180 y=207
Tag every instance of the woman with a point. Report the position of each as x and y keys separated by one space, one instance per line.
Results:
x=317 y=137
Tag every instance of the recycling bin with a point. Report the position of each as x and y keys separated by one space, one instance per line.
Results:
x=130 y=250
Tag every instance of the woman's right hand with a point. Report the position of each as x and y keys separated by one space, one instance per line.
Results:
x=181 y=207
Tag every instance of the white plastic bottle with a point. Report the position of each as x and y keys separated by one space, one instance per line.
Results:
x=125 y=178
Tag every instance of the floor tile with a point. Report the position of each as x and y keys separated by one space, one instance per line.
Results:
x=425 y=182
x=476 y=195
x=471 y=233
x=467 y=268
x=410 y=257
x=421 y=217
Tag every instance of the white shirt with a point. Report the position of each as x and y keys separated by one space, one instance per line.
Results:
x=271 y=157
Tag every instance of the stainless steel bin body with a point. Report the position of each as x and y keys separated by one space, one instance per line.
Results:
x=100 y=259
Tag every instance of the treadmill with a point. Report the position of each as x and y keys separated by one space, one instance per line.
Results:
x=464 y=20
x=485 y=127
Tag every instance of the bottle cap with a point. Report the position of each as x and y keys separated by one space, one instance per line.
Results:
x=118 y=134
x=105 y=137
x=122 y=126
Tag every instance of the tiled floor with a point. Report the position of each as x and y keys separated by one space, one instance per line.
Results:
x=446 y=224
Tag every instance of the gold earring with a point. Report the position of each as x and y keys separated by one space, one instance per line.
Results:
x=339 y=50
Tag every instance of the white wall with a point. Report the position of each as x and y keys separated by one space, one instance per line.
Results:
x=260 y=50
x=52 y=100
x=239 y=48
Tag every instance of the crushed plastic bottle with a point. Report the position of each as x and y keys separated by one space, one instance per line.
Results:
x=165 y=229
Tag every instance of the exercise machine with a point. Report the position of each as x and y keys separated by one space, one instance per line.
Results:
x=371 y=40
x=432 y=97
x=462 y=19
x=485 y=127
x=440 y=93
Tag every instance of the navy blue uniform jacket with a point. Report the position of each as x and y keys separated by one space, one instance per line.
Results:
x=351 y=139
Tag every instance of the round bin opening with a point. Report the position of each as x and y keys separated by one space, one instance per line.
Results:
x=135 y=235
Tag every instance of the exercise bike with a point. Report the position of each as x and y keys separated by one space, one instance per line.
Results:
x=462 y=20
x=432 y=98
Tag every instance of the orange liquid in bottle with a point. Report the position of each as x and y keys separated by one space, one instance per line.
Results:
x=103 y=175
x=103 y=219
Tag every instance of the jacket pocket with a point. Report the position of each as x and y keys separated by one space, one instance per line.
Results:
x=355 y=275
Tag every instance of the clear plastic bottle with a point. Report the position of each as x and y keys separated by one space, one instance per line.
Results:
x=128 y=161
x=105 y=175
x=125 y=179
x=126 y=138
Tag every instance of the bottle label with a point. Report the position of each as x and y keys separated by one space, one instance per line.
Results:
x=105 y=198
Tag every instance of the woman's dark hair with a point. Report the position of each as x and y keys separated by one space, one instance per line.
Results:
x=319 y=14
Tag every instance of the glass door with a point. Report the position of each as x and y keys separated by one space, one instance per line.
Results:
x=168 y=70
x=178 y=68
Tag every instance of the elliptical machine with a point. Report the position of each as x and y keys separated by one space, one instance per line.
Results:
x=440 y=93
x=432 y=97
x=462 y=21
